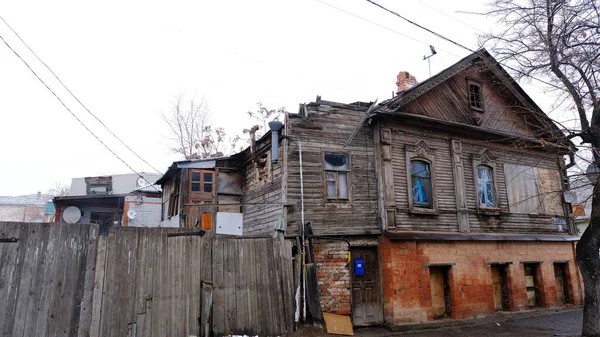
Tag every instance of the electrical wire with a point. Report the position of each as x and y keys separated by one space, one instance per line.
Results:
x=77 y=99
x=71 y=112
x=459 y=45
x=382 y=26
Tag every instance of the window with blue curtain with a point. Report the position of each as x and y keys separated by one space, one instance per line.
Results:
x=420 y=173
x=485 y=184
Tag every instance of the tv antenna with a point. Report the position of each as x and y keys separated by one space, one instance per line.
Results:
x=433 y=52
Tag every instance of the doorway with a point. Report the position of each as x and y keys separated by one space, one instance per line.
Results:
x=562 y=289
x=500 y=286
x=532 y=284
x=440 y=291
x=366 y=293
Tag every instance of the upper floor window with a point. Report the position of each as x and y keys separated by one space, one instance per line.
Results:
x=485 y=186
x=98 y=185
x=201 y=185
x=337 y=169
x=475 y=96
x=420 y=173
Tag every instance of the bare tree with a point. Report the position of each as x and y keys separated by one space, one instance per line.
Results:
x=61 y=190
x=264 y=115
x=559 y=42
x=192 y=132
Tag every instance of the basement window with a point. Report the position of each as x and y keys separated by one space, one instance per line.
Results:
x=337 y=170
x=475 y=96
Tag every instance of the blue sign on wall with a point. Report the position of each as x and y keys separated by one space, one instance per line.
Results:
x=359 y=266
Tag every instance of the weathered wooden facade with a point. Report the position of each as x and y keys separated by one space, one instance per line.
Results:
x=240 y=194
x=453 y=189
x=444 y=201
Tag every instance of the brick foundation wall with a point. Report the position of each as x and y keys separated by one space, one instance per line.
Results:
x=333 y=273
x=406 y=283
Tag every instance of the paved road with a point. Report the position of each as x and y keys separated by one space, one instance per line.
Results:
x=551 y=324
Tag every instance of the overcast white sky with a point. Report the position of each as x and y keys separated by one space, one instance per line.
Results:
x=128 y=60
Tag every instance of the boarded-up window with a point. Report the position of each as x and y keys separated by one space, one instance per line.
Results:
x=551 y=191
x=523 y=188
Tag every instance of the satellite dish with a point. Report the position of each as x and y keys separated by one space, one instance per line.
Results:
x=131 y=214
x=71 y=214
x=142 y=182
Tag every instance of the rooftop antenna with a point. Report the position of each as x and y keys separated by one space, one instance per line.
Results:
x=433 y=52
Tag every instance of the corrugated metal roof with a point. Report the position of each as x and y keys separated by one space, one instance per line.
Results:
x=149 y=188
x=30 y=199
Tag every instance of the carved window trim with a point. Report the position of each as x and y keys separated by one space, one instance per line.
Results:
x=420 y=151
x=486 y=159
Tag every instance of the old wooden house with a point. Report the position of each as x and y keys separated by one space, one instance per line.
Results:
x=236 y=195
x=444 y=201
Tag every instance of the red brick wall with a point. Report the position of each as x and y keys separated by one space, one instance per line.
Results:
x=333 y=273
x=406 y=288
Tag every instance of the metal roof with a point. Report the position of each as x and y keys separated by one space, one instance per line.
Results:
x=149 y=189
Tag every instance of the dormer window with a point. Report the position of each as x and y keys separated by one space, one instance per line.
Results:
x=475 y=96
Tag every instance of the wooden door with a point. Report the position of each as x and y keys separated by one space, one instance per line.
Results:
x=531 y=285
x=497 y=287
x=366 y=299
x=438 y=298
x=500 y=286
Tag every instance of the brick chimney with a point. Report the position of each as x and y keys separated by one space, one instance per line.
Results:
x=404 y=81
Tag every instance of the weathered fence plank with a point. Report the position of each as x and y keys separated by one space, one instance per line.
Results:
x=65 y=280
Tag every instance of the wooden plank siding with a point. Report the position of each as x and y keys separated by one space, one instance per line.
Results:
x=326 y=128
x=449 y=101
x=404 y=134
x=262 y=195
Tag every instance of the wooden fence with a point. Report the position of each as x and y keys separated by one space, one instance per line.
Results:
x=46 y=279
x=142 y=282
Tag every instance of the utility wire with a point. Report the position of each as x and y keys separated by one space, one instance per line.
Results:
x=382 y=26
x=71 y=112
x=450 y=16
x=459 y=45
x=75 y=97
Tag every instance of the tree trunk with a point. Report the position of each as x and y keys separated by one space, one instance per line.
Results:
x=588 y=258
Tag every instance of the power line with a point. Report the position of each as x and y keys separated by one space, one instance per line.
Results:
x=75 y=97
x=71 y=112
x=460 y=45
x=382 y=26
x=450 y=16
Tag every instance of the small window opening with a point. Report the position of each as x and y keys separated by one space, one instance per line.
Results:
x=336 y=174
x=475 y=98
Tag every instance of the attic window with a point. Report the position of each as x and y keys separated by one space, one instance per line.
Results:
x=475 y=96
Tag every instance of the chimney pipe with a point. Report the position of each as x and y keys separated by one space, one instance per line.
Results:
x=275 y=128
x=405 y=81
x=252 y=133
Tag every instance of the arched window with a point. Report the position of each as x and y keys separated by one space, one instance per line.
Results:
x=485 y=186
x=420 y=173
